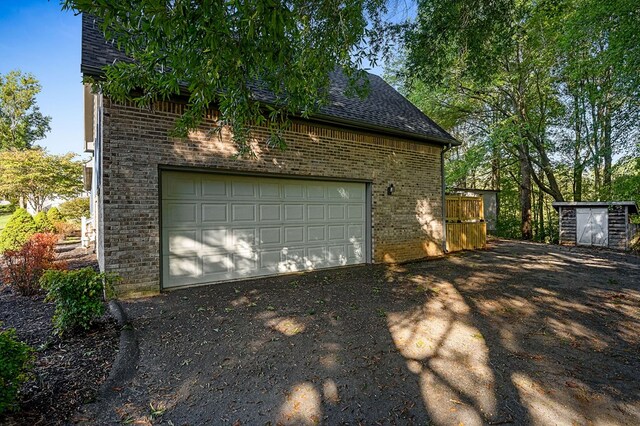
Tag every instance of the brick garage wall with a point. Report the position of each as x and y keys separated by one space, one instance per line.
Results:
x=136 y=144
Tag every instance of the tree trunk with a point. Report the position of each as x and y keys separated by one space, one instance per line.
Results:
x=542 y=233
x=525 y=192
x=578 y=166
x=607 y=154
x=577 y=183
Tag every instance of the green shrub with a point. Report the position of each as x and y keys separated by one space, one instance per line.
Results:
x=78 y=296
x=54 y=216
x=19 y=229
x=7 y=208
x=15 y=363
x=75 y=209
x=42 y=223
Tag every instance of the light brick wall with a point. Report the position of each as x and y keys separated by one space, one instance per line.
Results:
x=406 y=225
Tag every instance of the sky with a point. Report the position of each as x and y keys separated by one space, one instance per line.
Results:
x=36 y=36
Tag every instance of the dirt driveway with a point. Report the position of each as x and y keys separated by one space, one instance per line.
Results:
x=518 y=333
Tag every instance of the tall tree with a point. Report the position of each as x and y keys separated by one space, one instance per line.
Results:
x=36 y=176
x=21 y=122
x=544 y=83
x=597 y=44
x=226 y=52
x=489 y=52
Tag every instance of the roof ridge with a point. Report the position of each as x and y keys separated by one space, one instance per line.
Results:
x=384 y=109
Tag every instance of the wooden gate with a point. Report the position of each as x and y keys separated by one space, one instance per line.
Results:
x=466 y=228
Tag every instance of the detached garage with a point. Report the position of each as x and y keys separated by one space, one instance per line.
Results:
x=599 y=224
x=360 y=182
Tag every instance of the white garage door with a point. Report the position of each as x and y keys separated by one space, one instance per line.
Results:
x=592 y=226
x=220 y=227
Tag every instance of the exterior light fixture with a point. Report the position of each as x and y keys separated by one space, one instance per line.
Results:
x=390 y=189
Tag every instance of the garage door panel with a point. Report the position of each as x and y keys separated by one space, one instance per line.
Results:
x=182 y=240
x=336 y=232
x=184 y=266
x=316 y=257
x=293 y=190
x=243 y=189
x=182 y=186
x=244 y=263
x=294 y=254
x=336 y=255
x=218 y=227
x=354 y=253
x=315 y=212
x=216 y=263
x=315 y=233
x=357 y=193
x=213 y=188
x=355 y=232
x=215 y=238
x=270 y=236
x=336 y=212
x=269 y=190
x=269 y=212
x=182 y=213
x=270 y=260
x=345 y=191
x=293 y=234
x=214 y=213
x=293 y=212
x=243 y=213
x=244 y=238
x=355 y=211
x=316 y=192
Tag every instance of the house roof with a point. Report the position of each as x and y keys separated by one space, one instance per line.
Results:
x=383 y=110
x=633 y=207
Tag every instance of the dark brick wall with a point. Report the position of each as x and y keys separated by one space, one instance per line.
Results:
x=136 y=144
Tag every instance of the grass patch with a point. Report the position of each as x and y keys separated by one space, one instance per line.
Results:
x=4 y=218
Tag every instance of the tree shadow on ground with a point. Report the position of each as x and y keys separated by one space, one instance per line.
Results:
x=558 y=325
x=521 y=333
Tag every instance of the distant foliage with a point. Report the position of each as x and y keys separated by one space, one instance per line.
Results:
x=23 y=268
x=19 y=229
x=37 y=176
x=53 y=214
x=7 y=208
x=78 y=296
x=75 y=209
x=21 y=122
x=16 y=359
x=42 y=223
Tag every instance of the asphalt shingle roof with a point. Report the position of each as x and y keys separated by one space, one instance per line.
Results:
x=383 y=110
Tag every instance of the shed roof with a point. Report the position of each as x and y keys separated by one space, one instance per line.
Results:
x=383 y=110
x=633 y=207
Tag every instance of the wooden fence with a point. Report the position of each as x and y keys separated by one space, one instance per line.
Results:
x=466 y=228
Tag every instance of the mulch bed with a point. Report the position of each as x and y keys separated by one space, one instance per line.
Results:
x=68 y=370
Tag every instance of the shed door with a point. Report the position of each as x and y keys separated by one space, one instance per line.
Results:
x=220 y=227
x=592 y=226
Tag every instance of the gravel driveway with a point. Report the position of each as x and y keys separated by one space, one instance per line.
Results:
x=519 y=333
